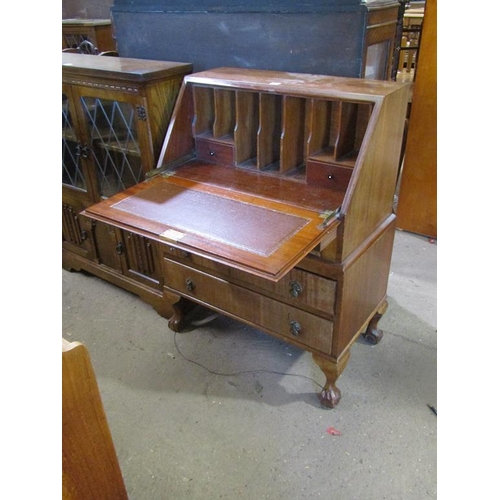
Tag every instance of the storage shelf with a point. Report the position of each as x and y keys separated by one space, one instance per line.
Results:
x=117 y=147
x=276 y=133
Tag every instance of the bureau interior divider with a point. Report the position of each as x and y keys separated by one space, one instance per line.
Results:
x=280 y=133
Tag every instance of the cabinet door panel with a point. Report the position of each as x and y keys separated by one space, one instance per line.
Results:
x=75 y=172
x=107 y=245
x=117 y=134
x=129 y=254
x=140 y=259
x=75 y=233
x=114 y=144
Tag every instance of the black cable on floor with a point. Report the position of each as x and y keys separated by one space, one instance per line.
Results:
x=272 y=372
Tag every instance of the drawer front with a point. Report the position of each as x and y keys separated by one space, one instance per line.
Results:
x=325 y=175
x=259 y=310
x=298 y=288
x=216 y=152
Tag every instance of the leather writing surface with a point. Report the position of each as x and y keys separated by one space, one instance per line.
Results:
x=241 y=225
x=261 y=235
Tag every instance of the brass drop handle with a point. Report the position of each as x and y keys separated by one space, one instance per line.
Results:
x=189 y=284
x=295 y=328
x=119 y=248
x=295 y=289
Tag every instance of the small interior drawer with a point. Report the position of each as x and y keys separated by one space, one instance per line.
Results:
x=215 y=151
x=254 y=308
x=327 y=175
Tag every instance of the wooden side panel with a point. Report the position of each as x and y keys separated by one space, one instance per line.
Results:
x=224 y=120
x=345 y=140
x=370 y=196
x=363 y=288
x=417 y=206
x=319 y=115
x=204 y=110
x=268 y=136
x=90 y=464
x=247 y=124
x=161 y=99
x=179 y=140
x=292 y=137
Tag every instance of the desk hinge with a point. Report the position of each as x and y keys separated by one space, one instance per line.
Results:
x=328 y=216
x=169 y=168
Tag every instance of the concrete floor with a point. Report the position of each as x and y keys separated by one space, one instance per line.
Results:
x=183 y=432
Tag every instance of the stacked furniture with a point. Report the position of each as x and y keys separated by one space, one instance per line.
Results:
x=98 y=32
x=353 y=38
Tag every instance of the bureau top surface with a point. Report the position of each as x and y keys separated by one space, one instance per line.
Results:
x=121 y=67
x=300 y=84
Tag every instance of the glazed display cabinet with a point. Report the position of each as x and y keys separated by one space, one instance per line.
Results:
x=99 y=32
x=115 y=113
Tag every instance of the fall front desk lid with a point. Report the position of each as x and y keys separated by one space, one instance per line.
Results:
x=263 y=236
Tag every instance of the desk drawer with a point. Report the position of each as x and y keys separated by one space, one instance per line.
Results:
x=214 y=151
x=259 y=310
x=327 y=175
x=298 y=288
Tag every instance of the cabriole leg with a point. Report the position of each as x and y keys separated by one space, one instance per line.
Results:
x=181 y=308
x=373 y=335
x=330 y=395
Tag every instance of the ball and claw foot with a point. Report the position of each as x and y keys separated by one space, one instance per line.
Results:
x=180 y=309
x=373 y=335
x=330 y=395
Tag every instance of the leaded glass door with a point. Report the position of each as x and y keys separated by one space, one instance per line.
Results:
x=113 y=128
x=77 y=185
x=75 y=173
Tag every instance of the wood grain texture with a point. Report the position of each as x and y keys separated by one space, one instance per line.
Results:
x=370 y=195
x=363 y=286
x=253 y=308
x=120 y=68
x=90 y=464
x=316 y=293
x=292 y=248
x=295 y=84
x=230 y=247
x=417 y=204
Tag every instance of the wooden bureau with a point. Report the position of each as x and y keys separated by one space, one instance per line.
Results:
x=272 y=203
